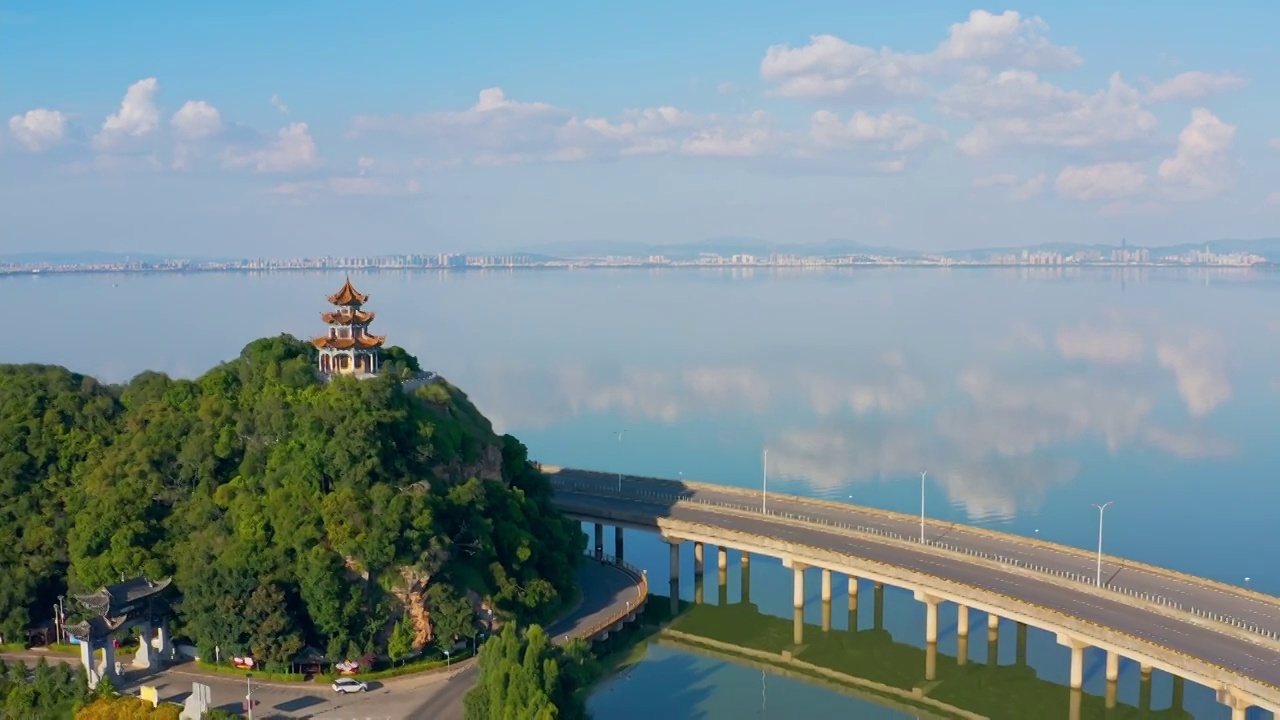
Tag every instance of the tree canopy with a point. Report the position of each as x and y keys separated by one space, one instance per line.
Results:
x=287 y=508
x=523 y=675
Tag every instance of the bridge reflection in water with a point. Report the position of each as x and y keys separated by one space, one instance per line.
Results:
x=864 y=661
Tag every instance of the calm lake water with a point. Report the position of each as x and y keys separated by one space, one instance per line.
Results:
x=1026 y=395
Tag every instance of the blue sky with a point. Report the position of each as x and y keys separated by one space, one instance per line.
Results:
x=291 y=128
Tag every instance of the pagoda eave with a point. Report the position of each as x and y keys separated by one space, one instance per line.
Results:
x=363 y=343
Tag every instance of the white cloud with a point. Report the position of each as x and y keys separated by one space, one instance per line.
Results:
x=293 y=149
x=891 y=131
x=278 y=104
x=754 y=138
x=726 y=88
x=1005 y=39
x=196 y=120
x=1193 y=86
x=1104 y=180
x=499 y=131
x=830 y=67
x=1018 y=189
x=1201 y=168
x=1108 y=117
x=39 y=129
x=1008 y=93
x=138 y=114
x=1273 y=199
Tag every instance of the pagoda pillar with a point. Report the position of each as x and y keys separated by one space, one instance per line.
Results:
x=145 y=657
x=89 y=661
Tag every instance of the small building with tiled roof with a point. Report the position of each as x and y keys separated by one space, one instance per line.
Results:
x=348 y=348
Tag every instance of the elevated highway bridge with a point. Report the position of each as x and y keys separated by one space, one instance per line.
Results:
x=1218 y=635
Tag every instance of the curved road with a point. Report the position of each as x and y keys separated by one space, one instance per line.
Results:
x=606 y=590
x=1265 y=613
x=1229 y=651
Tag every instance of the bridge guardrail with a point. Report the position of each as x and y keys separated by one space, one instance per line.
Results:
x=642 y=592
x=1014 y=562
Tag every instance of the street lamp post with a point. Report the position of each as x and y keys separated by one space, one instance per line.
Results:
x=618 y=434
x=248 y=696
x=764 y=488
x=1102 y=509
x=448 y=659
x=62 y=620
x=926 y=472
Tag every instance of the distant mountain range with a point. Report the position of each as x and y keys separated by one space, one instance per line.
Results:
x=724 y=246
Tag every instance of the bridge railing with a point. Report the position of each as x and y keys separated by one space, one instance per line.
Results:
x=641 y=579
x=671 y=497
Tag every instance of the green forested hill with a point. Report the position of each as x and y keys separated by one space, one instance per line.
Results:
x=286 y=508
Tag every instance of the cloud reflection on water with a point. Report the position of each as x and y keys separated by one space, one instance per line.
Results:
x=995 y=435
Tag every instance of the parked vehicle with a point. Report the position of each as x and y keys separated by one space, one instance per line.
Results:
x=349 y=685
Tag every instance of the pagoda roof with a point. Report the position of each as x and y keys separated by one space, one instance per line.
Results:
x=364 y=342
x=96 y=628
x=338 y=317
x=121 y=594
x=348 y=295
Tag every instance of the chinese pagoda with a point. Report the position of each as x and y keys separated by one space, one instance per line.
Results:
x=348 y=348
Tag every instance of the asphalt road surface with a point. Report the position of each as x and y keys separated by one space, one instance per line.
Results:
x=1263 y=613
x=606 y=591
x=1197 y=641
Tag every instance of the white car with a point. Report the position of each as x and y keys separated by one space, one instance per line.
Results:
x=349 y=685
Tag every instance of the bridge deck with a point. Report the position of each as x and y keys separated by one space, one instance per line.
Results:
x=585 y=493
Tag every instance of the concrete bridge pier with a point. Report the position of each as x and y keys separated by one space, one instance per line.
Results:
x=675 y=575
x=1178 y=690
x=1077 y=659
x=1239 y=705
x=1020 y=655
x=722 y=577
x=599 y=541
x=1077 y=700
x=826 y=600
x=962 y=650
x=931 y=615
x=746 y=578
x=697 y=589
x=1113 y=677
x=962 y=621
x=1144 y=690
x=697 y=559
x=931 y=661
x=993 y=639
x=877 y=608
x=617 y=541
x=797 y=584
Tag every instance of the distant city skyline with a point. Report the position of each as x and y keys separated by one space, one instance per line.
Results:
x=305 y=130
x=1231 y=254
